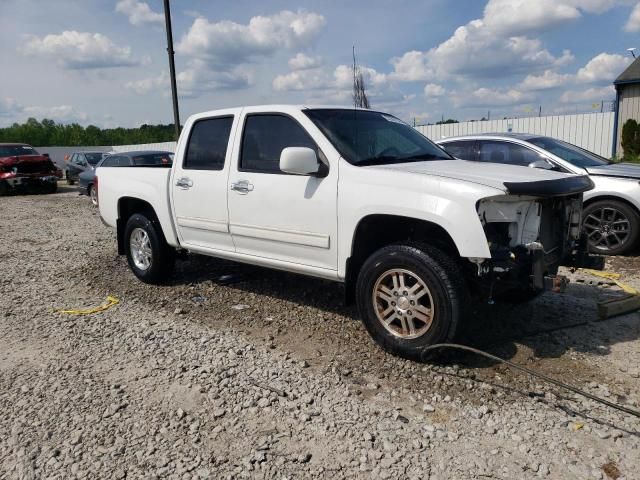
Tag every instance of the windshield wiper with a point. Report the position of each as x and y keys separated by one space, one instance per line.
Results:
x=384 y=159
x=424 y=156
x=380 y=160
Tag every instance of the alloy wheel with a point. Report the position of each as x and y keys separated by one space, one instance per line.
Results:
x=403 y=303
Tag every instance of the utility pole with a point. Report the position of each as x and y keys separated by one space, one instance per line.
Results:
x=172 y=68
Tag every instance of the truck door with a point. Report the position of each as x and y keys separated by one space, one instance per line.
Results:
x=276 y=215
x=199 y=185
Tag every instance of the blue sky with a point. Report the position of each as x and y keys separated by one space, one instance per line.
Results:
x=104 y=61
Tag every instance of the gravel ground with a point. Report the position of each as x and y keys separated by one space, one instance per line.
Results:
x=238 y=372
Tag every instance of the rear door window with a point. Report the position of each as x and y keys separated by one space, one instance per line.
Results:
x=208 y=142
x=264 y=138
x=506 y=152
x=464 y=150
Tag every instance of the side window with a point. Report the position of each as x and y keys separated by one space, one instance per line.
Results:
x=207 y=147
x=264 y=138
x=110 y=161
x=462 y=150
x=506 y=152
x=123 y=161
x=74 y=158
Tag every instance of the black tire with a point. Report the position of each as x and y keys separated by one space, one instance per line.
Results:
x=597 y=242
x=90 y=193
x=444 y=281
x=162 y=255
x=52 y=188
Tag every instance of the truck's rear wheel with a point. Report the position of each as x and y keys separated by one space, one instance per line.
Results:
x=410 y=297
x=148 y=254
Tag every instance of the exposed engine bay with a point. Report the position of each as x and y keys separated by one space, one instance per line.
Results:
x=529 y=239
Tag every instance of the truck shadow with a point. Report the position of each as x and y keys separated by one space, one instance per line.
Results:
x=549 y=326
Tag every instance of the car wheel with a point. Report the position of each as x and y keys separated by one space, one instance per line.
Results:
x=150 y=257
x=93 y=195
x=410 y=296
x=53 y=187
x=612 y=227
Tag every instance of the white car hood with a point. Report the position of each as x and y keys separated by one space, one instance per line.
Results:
x=489 y=174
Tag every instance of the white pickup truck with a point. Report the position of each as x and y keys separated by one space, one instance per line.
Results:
x=355 y=196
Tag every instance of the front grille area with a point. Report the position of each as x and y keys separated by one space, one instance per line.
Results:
x=34 y=167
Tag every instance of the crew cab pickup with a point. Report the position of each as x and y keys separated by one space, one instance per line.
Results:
x=355 y=196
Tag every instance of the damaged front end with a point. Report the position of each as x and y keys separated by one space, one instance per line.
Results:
x=28 y=172
x=531 y=231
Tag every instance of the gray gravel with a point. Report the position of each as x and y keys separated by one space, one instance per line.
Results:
x=239 y=372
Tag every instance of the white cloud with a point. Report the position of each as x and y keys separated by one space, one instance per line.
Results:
x=633 y=24
x=304 y=62
x=146 y=85
x=518 y=17
x=319 y=79
x=199 y=78
x=603 y=68
x=139 y=13
x=474 y=50
x=591 y=94
x=80 y=50
x=500 y=43
x=549 y=79
x=13 y=111
x=60 y=113
x=434 y=90
x=233 y=43
x=487 y=97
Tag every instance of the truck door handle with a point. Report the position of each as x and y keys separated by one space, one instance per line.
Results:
x=242 y=186
x=184 y=183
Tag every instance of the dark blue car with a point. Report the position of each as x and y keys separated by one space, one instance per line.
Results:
x=122 y=159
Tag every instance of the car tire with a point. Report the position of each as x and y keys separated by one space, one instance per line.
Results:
x=53 y=188
x=149 y=256
x=612 y=227
x=93 y=195
x=434 y=290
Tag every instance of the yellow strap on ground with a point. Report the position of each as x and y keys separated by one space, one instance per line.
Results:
x=111 y=301
x=614 y=278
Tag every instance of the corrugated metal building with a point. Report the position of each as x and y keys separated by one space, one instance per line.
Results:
x=627 y=101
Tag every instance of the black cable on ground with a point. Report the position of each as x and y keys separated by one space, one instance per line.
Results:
x=541 y=376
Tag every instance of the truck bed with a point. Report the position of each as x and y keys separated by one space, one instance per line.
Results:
x=150 y=184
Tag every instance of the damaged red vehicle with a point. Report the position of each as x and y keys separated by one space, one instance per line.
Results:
x=22 y=168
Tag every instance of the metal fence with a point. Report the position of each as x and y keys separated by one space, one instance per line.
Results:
x=592 y=131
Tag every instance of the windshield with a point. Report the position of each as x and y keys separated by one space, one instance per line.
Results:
x=93 y=158
x=13 y=150
x=373 y=138
x=574 y=155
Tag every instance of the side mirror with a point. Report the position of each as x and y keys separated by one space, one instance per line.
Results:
x=299 y=161
x=543 y=163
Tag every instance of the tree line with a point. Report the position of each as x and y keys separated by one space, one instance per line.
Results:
x=49 y=133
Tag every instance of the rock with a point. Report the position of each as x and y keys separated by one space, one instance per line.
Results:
x=428 y=408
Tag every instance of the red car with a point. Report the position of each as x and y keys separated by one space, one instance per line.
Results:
x=22 y=168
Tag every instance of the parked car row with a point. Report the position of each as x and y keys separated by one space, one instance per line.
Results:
x=611 y=216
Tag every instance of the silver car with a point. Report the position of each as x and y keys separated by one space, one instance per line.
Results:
x=611 y=215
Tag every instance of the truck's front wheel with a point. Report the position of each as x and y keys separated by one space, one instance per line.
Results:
x=410 y=296
x=148 y=254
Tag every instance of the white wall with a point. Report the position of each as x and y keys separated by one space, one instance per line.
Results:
x=592 y=131
x=166 y=146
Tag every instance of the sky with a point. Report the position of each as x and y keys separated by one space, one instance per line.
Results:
x=104 y=62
